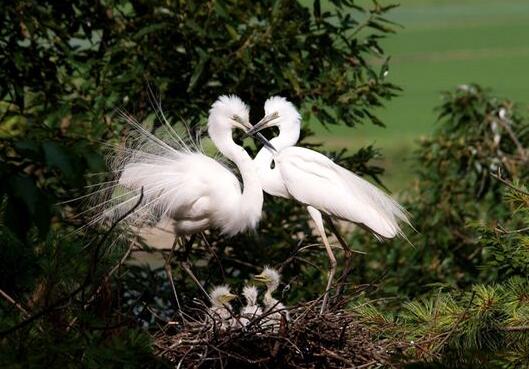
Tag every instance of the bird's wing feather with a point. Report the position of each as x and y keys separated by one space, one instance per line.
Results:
x=173 y=184
x=315 y=180
x=170 y=169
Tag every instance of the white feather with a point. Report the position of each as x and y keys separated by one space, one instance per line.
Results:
x=315 y=180
x=180 y=182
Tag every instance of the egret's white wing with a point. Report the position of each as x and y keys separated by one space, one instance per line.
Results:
x=177 y=179
x=177 y=185
x=315 y=180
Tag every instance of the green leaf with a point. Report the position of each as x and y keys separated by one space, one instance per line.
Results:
x=203 y=58
x=149 y=29
x=58 y=158
x=26 y=191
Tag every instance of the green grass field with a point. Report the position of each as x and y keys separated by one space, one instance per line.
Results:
x=443 y=43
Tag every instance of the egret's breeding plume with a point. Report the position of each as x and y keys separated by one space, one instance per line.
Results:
x=273 y=307
x=181 y=183
x=220 y=310
x=252 y=309
x=317 y=182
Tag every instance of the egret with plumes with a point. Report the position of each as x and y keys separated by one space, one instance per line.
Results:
x=252 y=309
x=273 y=307
x=183 y=184
x=220 y=310
x=320 y=184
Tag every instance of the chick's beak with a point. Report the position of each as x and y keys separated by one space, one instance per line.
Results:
x=230 y=296
x=260 y=278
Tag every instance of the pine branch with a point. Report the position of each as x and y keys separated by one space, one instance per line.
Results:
x=509 y=184
x=86 y=282
x=523 y=328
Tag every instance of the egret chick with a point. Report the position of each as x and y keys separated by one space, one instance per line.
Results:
x=220 y=309
x=273 y=308
x=252 y=308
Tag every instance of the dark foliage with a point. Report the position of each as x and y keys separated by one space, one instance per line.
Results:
x=67 y=298
x=468 y=270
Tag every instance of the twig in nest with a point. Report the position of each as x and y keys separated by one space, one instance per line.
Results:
x=332 y=340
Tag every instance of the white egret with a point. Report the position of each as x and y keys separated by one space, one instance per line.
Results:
x=220 y=310
x=185 y=188
x=273 y=307
x=183 y=184
x=317 y=182
x=252 y=309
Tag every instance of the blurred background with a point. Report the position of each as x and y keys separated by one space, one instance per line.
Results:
x=440 y=44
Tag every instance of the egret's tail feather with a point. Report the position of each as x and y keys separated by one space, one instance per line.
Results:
x=390 y=214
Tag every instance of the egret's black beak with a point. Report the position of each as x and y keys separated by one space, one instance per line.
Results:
x=265 y=142
x=263 y=123
x=246 y=126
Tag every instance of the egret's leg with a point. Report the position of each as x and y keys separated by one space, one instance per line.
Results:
x=347 y=253
x=184 y=263
x=316 y=216
x=169 y=272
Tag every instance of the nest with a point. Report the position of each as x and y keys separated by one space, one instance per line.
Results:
x=335 y=339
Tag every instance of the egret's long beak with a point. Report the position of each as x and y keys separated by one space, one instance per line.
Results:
x=263 y=123
x=247 y=126
x=261 y=278
x=228 y=297
x=265 y=142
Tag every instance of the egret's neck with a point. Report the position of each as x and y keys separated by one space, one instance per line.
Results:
x=252 y=195
x=251 y=301
x=268 y=299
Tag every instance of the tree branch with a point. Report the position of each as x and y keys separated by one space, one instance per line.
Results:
x=509 y=184
x=86 y=282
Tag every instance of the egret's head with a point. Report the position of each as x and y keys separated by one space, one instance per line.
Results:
x=227 y=113
x=250 y=294
x=221 y=295
x=279 y=112
x=270 y=277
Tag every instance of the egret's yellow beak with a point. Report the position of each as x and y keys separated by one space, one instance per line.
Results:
x=228 y=297
x=261 y=278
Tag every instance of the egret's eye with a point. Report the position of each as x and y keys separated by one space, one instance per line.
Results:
x=238 y=119
x=241 y=122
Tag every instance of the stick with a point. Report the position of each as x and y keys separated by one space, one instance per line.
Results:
x=510 y=185
x=13 y=302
